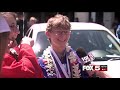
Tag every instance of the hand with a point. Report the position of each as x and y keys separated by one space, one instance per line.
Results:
x=12 y=43
x=100 y=74
x=27 y=40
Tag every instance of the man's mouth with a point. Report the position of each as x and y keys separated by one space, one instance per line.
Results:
x=61 y=40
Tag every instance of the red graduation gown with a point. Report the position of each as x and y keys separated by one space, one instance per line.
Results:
x=26 y=66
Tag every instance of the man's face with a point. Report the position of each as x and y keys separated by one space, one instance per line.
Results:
x=59 y=38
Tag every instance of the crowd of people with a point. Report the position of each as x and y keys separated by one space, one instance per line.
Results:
x=58 y=60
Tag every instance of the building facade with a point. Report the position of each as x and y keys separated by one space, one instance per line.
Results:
x=104 y=18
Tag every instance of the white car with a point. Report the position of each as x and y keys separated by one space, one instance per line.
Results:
x=94 y=38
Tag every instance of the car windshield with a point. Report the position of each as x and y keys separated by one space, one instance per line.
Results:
x=41 y=43
x=100 y=43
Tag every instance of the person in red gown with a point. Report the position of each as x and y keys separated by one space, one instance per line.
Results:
x=19 y=60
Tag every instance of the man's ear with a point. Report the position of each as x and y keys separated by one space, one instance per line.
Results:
x=47 y=34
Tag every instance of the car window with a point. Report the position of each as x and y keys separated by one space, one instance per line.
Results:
x=84 y=39
x=41 y=43
x=99 y=41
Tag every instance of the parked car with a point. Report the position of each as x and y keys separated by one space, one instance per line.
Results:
x=94 y=38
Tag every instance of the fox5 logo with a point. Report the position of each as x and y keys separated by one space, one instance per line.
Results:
x=91 y=67
x=94 y=67
x=97 y=67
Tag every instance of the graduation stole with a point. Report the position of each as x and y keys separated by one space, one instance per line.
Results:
x=50 y=58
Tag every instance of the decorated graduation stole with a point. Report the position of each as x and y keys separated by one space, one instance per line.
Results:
x=53 y=64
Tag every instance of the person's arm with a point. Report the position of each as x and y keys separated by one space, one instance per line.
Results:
x=26 y=66
x=27 y=56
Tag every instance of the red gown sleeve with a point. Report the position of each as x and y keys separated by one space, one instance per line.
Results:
x=25 y=67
